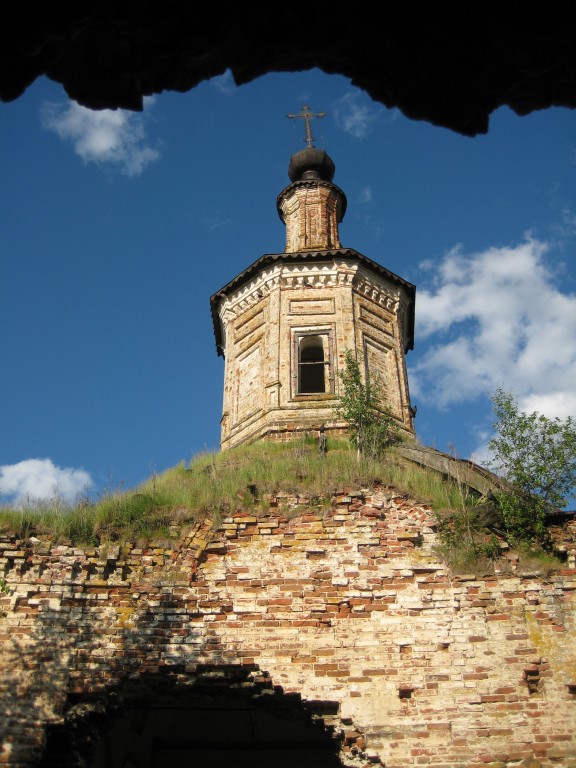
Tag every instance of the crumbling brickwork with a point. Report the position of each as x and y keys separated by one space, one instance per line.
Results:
x=346 y=607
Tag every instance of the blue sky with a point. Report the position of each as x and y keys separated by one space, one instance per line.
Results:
x=117 y=227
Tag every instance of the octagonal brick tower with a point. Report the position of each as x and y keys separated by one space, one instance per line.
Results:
x=284 y=324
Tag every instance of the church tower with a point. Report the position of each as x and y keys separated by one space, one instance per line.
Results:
x=284 y=324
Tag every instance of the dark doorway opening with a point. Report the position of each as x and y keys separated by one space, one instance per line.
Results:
x=220 y=716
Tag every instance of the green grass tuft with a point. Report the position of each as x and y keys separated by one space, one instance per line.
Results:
x=215 y=485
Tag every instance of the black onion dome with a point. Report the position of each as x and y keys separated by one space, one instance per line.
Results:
x=311 y=163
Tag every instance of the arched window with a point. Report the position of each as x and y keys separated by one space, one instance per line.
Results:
x=311 y=365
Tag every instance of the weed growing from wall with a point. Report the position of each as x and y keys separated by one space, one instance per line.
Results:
x=362 y=404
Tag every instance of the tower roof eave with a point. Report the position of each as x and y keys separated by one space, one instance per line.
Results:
x=302 y=256
x=311 y=184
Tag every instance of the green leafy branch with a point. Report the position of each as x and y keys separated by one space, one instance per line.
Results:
x=537 y=457
x=362 y=404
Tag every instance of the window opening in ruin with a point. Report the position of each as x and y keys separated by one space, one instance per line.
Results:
x=311 y=364
x=532 y=677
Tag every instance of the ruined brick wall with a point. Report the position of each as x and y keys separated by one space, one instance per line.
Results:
x=348 y=605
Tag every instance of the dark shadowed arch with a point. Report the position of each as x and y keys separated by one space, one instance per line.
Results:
x=217 y=715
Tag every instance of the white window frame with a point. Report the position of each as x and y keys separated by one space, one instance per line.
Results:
x=327 y=336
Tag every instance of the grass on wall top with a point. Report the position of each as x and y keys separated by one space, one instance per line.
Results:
x=218 y=484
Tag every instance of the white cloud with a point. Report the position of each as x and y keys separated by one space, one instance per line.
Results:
x=354 y=117
x=115 y=137
x=224 y=83
x=566 y=227
x=357 y=115
x=39 y=479
x=365 y=196
x=497 y=318
x=217 y=221
x=481 y=454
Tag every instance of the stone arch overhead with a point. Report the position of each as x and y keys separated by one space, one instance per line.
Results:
x=220 y=714
x=449 y=64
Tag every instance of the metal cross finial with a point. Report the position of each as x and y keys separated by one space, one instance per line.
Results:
x=307 y=116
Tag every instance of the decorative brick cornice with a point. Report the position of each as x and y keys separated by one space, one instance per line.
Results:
x=381 y=292
x=313 y=269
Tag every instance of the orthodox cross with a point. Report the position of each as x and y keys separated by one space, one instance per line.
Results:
x=307 y=116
